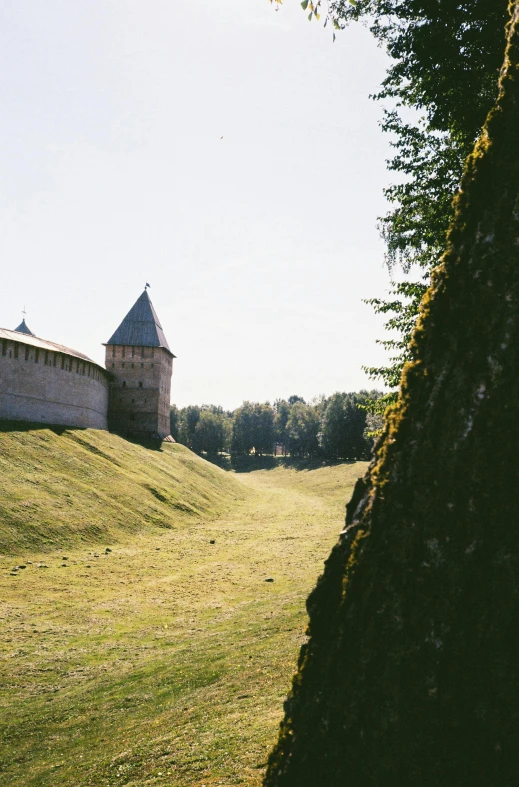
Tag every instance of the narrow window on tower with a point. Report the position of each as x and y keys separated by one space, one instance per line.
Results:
x=27 y=352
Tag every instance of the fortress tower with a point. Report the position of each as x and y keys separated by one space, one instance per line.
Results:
x=141 y=363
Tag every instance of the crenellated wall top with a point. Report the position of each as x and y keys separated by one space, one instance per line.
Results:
x=43 y=344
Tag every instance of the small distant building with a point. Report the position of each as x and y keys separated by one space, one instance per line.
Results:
x=141 y=364
x=45 y=382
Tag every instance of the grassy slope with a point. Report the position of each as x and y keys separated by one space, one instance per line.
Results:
x=165 y=662
x=66 y=487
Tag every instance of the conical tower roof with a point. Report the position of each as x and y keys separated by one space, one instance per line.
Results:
x=140 y=327
x=23 y=328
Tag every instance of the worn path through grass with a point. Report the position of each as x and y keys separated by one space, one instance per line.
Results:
x=166 y=660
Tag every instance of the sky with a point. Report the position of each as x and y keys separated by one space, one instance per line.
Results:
x=227 y=154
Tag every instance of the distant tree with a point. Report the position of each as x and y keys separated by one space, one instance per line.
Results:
x=319 y=404
x=342 y=427
x=293 y=399
x=189 y=417
x=303 y=430
x=263 y=428
x=174 y=421
x=281 y=416
x=243 y=429
x=227 y=431
x=209 y=432
x=253 y=428
x=332 y=434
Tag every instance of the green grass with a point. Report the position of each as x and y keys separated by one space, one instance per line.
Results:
x=67 y=487
x=165 y=661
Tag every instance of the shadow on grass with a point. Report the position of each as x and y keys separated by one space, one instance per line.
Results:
x=31 y=426
x=60 y=429
x=151 y=444
x=247 y=464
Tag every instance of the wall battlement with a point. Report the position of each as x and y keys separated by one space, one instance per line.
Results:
x=48 y=383
x=45 y=382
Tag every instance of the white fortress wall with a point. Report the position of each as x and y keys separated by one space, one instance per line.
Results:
x=47 y=383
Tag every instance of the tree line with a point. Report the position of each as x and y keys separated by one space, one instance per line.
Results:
x=334 y=427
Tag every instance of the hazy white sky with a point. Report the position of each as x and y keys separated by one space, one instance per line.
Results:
x=259 y=247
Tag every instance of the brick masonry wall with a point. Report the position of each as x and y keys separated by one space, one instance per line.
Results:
x=140 y=393
x=50 y=387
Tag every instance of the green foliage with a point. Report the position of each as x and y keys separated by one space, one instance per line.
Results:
x=302 y=430
x=205 y=429
x=319 y=428
x=209 y=434
x=446 y=55
x=253 y=429
x=403 y=310
x=445 y=63
x=343 y=427
x=282 y=414
x=189 y=418
x=174 y=421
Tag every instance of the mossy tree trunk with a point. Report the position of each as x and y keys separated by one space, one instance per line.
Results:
x=411 y=673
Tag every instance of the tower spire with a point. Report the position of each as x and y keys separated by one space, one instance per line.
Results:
x=23 y=327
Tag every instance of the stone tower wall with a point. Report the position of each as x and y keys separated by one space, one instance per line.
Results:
x=50 y=387
x=140 y=391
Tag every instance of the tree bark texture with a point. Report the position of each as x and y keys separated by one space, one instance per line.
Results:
x=411 y=673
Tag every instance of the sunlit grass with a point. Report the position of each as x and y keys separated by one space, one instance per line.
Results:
x=77 y=486
x=166 y=660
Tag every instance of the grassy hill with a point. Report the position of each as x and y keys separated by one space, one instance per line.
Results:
x=65 y=487
x=165 y=661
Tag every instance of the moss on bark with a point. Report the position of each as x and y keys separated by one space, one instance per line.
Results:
x=411 y=673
